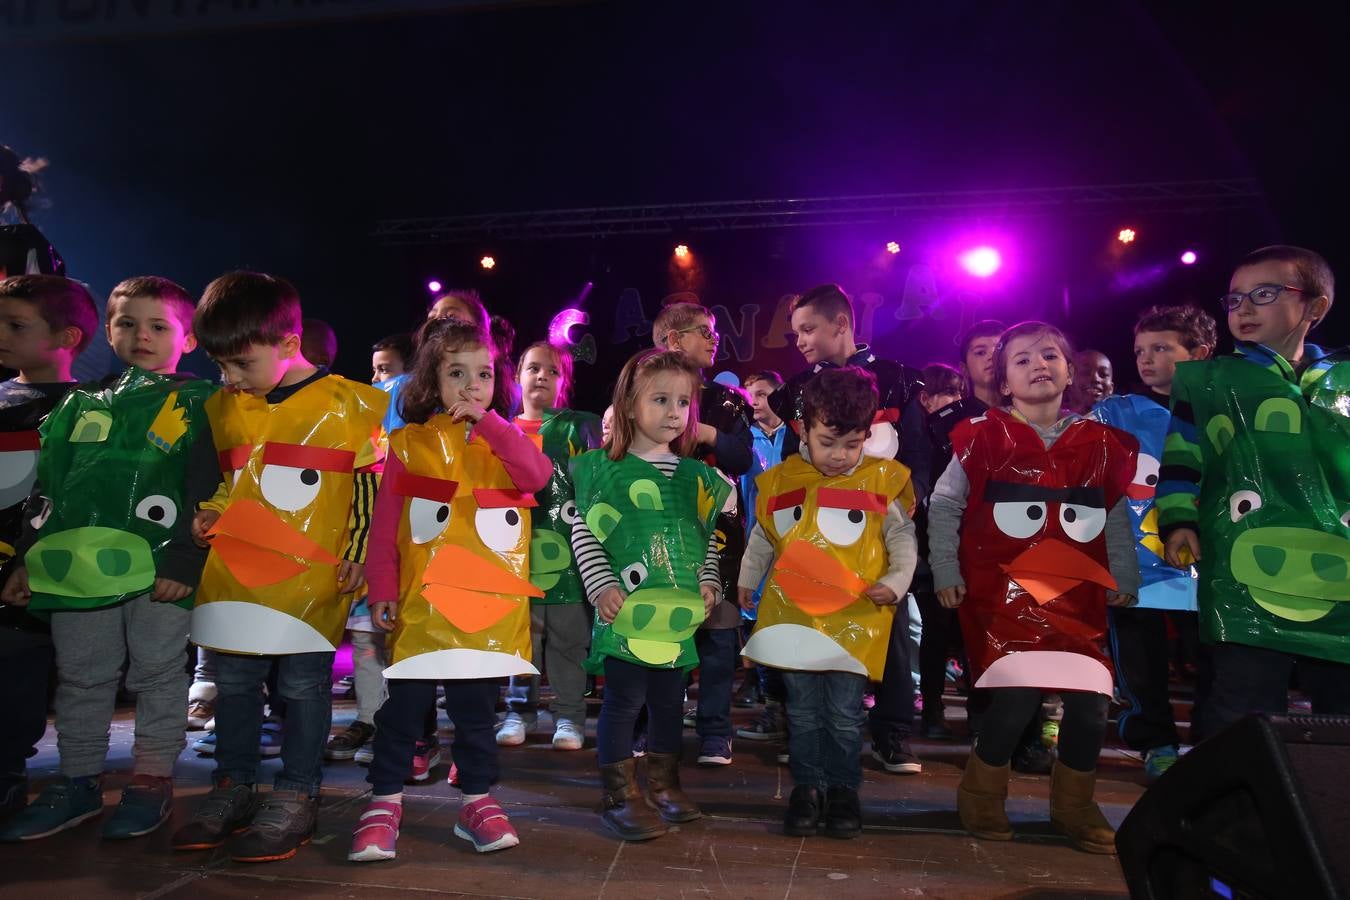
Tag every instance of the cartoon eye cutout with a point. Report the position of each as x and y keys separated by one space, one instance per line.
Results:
x=289 y=488
x=1242 y=503
x=44 y=512
x=1345 y=518
x=499 y=529
x=159 y=509
x=1082 y=523
x=633 y=576
x=1019 y=518
x=1146 y=472
x=842 y=514
x=427 y=519
x=569 y=513
x=787 y=510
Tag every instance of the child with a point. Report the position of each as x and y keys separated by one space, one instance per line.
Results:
x=1095 y=382
x=833 y=534
x=390 y=357
x=1163 y=336
x=1035 y=502
x=448 y=554
x=288 y=532
x=1255 y=487
x=977 y=365
x=45 y=322
x=560 y=622
x=644 y=545
x=823 y=320
x=131 y=600
x=723 y=432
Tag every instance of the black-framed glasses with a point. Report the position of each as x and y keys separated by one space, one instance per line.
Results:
x=702 y=331
x=1261 y=295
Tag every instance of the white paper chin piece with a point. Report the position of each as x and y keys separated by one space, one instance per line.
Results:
x=1049 y=670
x=801 y=648
x=237 y=627
x=462 y=662
x=883 y=442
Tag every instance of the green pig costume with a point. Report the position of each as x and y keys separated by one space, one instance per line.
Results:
x=1257 y=461
x=563 y=435
x=655 y=530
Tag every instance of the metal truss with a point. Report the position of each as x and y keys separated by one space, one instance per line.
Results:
x=1176 y=197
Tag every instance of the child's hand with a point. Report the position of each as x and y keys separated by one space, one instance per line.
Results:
x=351 y=576
x=169 y=591
x=383 y=615
x=1181 y=544
x=881 y=595
x=746 y=598
x=1114 y=598
x=16 y=592
x=952 y=597
x=202 y=522
x=706 y=434
x=465 y=410
x=608 y=604
x=709 y=598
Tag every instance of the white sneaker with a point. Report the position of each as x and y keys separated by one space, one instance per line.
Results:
x=567 y=735
x=512 y=731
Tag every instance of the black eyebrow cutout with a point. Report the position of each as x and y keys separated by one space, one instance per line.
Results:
x=1016 y=492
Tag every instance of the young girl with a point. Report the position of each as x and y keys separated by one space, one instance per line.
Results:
x=560 y=622
x=644 y=547
x=446 y=565
x=1037 y=496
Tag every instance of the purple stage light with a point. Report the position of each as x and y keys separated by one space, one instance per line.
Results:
x=1188 y=258
x=981 y=261
x=434 y=286
x=560 y=329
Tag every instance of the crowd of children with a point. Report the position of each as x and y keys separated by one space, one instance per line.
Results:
x=469 y=531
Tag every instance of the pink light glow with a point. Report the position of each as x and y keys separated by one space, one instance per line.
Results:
x=560 y=329
x=981 y=261
x=434 y=286
x=1188 y=258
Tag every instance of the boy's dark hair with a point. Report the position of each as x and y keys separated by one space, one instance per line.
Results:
x=240 y=309
x=399 y=343
x=318 y=342
x=422 y=395
x=940 y=378
x=62 y=303
x=844 y=399
x=1314 y=274
x=1196 y=327
x=677 y=317
x=768 y=375
x=183 y=304
x=828 y=300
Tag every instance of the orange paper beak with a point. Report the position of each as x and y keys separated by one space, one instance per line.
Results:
x=815 y=582
x=1052 y=567
x=471 y=592
x=259 y=549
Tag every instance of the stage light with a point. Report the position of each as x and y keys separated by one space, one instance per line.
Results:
x=1126 y=235
x=892 y=247
x=487 y=262
x=682 y=251
x=434 y=286
x=1188 y=258
x=981 y=261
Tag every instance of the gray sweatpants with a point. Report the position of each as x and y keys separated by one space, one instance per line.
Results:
x=561 y=637
x=91 y=646
x=368 y=664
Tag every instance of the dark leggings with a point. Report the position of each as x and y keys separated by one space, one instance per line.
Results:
x=628 y=688
x=1081 y=733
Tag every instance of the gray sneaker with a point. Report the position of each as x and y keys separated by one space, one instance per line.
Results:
x=284 y=823
x=228 y=808
x=769 y=727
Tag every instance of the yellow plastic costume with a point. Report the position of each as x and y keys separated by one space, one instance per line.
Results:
x=464 y=554
x=270 y=585
x=828 y=549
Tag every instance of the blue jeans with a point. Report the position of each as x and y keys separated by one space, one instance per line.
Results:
x=825 y=720
x=305 y=682
x=628 y=688
x=716 y=671
x=892 y=717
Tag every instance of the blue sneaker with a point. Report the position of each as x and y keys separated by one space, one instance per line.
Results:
x=715 y=751
x=269 y=740
x=206 y=744
x=146 y=805
x=1158 y=760
x=63 y=804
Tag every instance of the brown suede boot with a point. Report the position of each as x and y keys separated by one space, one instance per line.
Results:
x=1073 y=811
x=980 y=800
x=624 y=809
x=663 y=785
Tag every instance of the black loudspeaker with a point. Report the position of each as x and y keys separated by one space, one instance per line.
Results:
x=1261 y=810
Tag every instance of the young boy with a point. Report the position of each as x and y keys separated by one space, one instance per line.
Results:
x=390 y=357
x=288 y=532
x=1163 y=337
x=833 y=534
x=1095 y=382
x=724 y=442
x=822 y=320
x=1254 y=488
x=113 y=563
x=45 y=321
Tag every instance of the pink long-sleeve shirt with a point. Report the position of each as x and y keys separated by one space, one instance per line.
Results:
x=528 y=467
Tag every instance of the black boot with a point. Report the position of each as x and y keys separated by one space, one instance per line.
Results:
x=843 y=813
x=803 y=812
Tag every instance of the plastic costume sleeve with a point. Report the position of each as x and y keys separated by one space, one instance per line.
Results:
x=464 y=546
x=1033 y=550
x=1274 y=506
x=655 y=531
x=270 y=584
x=1164 y=587
x=564 y=435
x=828 y=549
x=114 y=461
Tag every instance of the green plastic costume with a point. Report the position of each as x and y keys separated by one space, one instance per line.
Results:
x=1272 y=452
x=113 y=466
x=564 y=435
x=655 y=531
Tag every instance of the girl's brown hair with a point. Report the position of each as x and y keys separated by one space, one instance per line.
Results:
x=1028 y=329
x=564 y=360
x=421 y=397
x=636 y=372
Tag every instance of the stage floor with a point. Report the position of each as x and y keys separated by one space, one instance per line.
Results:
x=912 y=844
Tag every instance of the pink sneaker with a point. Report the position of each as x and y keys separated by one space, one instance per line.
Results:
x=376 y=832
x=453 y=777
x=485 y=823
x=426 y=756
